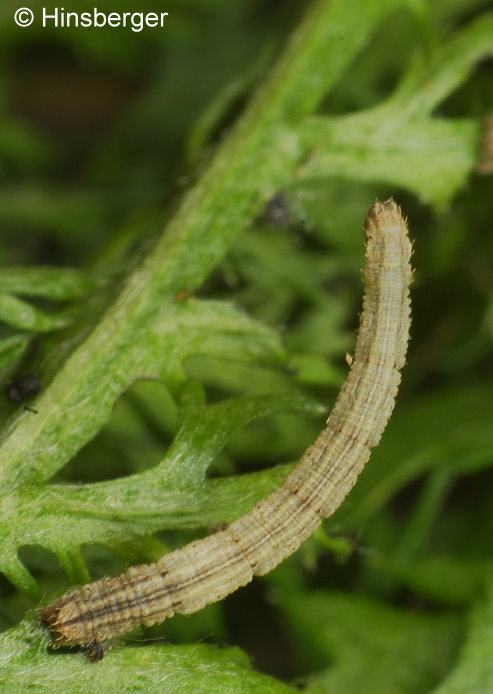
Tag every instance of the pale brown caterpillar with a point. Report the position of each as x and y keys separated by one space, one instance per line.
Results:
x=207 y=570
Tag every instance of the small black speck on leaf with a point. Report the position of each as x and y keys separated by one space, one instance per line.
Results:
x=22 y=388
x=276 y=211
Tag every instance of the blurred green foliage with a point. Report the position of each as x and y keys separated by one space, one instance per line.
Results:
x=172 y=362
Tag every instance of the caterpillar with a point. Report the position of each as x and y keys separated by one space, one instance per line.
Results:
x=208 y=569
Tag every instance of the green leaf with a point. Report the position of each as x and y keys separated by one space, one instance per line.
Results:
x=173 y=494
x=20 y=314
x=398 y=142
x=80 y=399
x=431 y=157
x=26 y=665
x=12 y=347
x=46 y=282
x=444 y=579
x=371 y=647
x=70 y=213
x=474 y=672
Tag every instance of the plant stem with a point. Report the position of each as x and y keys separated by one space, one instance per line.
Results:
x=254 y=161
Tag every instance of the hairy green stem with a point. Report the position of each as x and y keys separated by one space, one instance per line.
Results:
x=251 y=164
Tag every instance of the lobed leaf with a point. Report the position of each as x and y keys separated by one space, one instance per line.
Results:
x=26 y=665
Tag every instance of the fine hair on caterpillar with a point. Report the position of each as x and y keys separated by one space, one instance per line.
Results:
x=207 y=570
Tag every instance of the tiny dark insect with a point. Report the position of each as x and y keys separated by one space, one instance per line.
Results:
x=276 y=211
x=96 y=652
x=22 y=388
